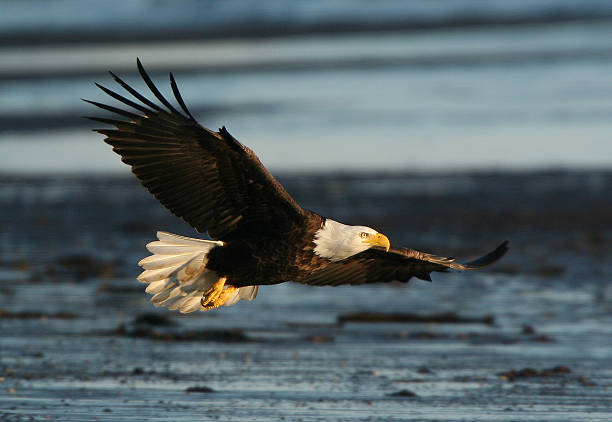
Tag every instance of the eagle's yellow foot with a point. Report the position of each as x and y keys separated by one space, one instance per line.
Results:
x=217 y=295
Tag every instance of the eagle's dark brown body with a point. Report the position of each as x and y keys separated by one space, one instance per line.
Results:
x=270 y=260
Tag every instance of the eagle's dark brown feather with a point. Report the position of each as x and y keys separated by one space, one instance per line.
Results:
x=208 y=178
x=399 y=264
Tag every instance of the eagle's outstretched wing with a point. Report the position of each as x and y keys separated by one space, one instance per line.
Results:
x=399 y=264
x=208 y=178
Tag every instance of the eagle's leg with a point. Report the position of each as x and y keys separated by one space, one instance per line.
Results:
x=217 y=295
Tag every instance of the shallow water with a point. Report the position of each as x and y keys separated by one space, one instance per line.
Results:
x=70 y=245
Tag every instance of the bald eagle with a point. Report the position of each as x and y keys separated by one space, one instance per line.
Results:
x=260 y=235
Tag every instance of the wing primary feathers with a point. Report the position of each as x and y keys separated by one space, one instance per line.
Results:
x=483 y=261
x=105 y=120
x=123 y=99
x=153 y=88
x=112 y=109
x=476 y=264
x=178 y=97
x=135 y=93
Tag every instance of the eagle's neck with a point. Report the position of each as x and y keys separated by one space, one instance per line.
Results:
x=336 y=241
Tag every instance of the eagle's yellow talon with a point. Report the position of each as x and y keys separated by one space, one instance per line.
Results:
x=217 y=295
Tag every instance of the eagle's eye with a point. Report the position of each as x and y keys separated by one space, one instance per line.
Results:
x=363 y=234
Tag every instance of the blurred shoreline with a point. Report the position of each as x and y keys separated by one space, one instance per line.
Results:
x=274 y=30
x=462 y=94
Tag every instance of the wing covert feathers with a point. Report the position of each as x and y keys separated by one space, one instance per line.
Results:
x=208 y=178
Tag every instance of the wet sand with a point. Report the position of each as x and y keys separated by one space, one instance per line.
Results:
x=528 y=340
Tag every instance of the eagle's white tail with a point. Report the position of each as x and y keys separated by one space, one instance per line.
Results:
x=177 y=273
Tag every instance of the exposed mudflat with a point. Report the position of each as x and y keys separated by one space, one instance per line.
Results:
x=529 y=340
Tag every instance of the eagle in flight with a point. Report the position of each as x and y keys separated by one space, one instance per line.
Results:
x=260 y=234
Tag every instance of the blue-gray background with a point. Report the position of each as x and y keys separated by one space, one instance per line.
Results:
x=322 y=85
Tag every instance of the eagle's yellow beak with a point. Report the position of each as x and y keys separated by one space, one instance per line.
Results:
x=379 y=240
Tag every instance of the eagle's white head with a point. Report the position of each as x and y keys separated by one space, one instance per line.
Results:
x=336 y=241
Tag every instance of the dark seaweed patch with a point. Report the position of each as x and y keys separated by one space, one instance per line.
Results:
x=82 y=266
x=515 y=374
x=320 y=338
x=158 y=320
x=403 y=393
x=199 y=389
x=443 y=318
x=585 y=382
